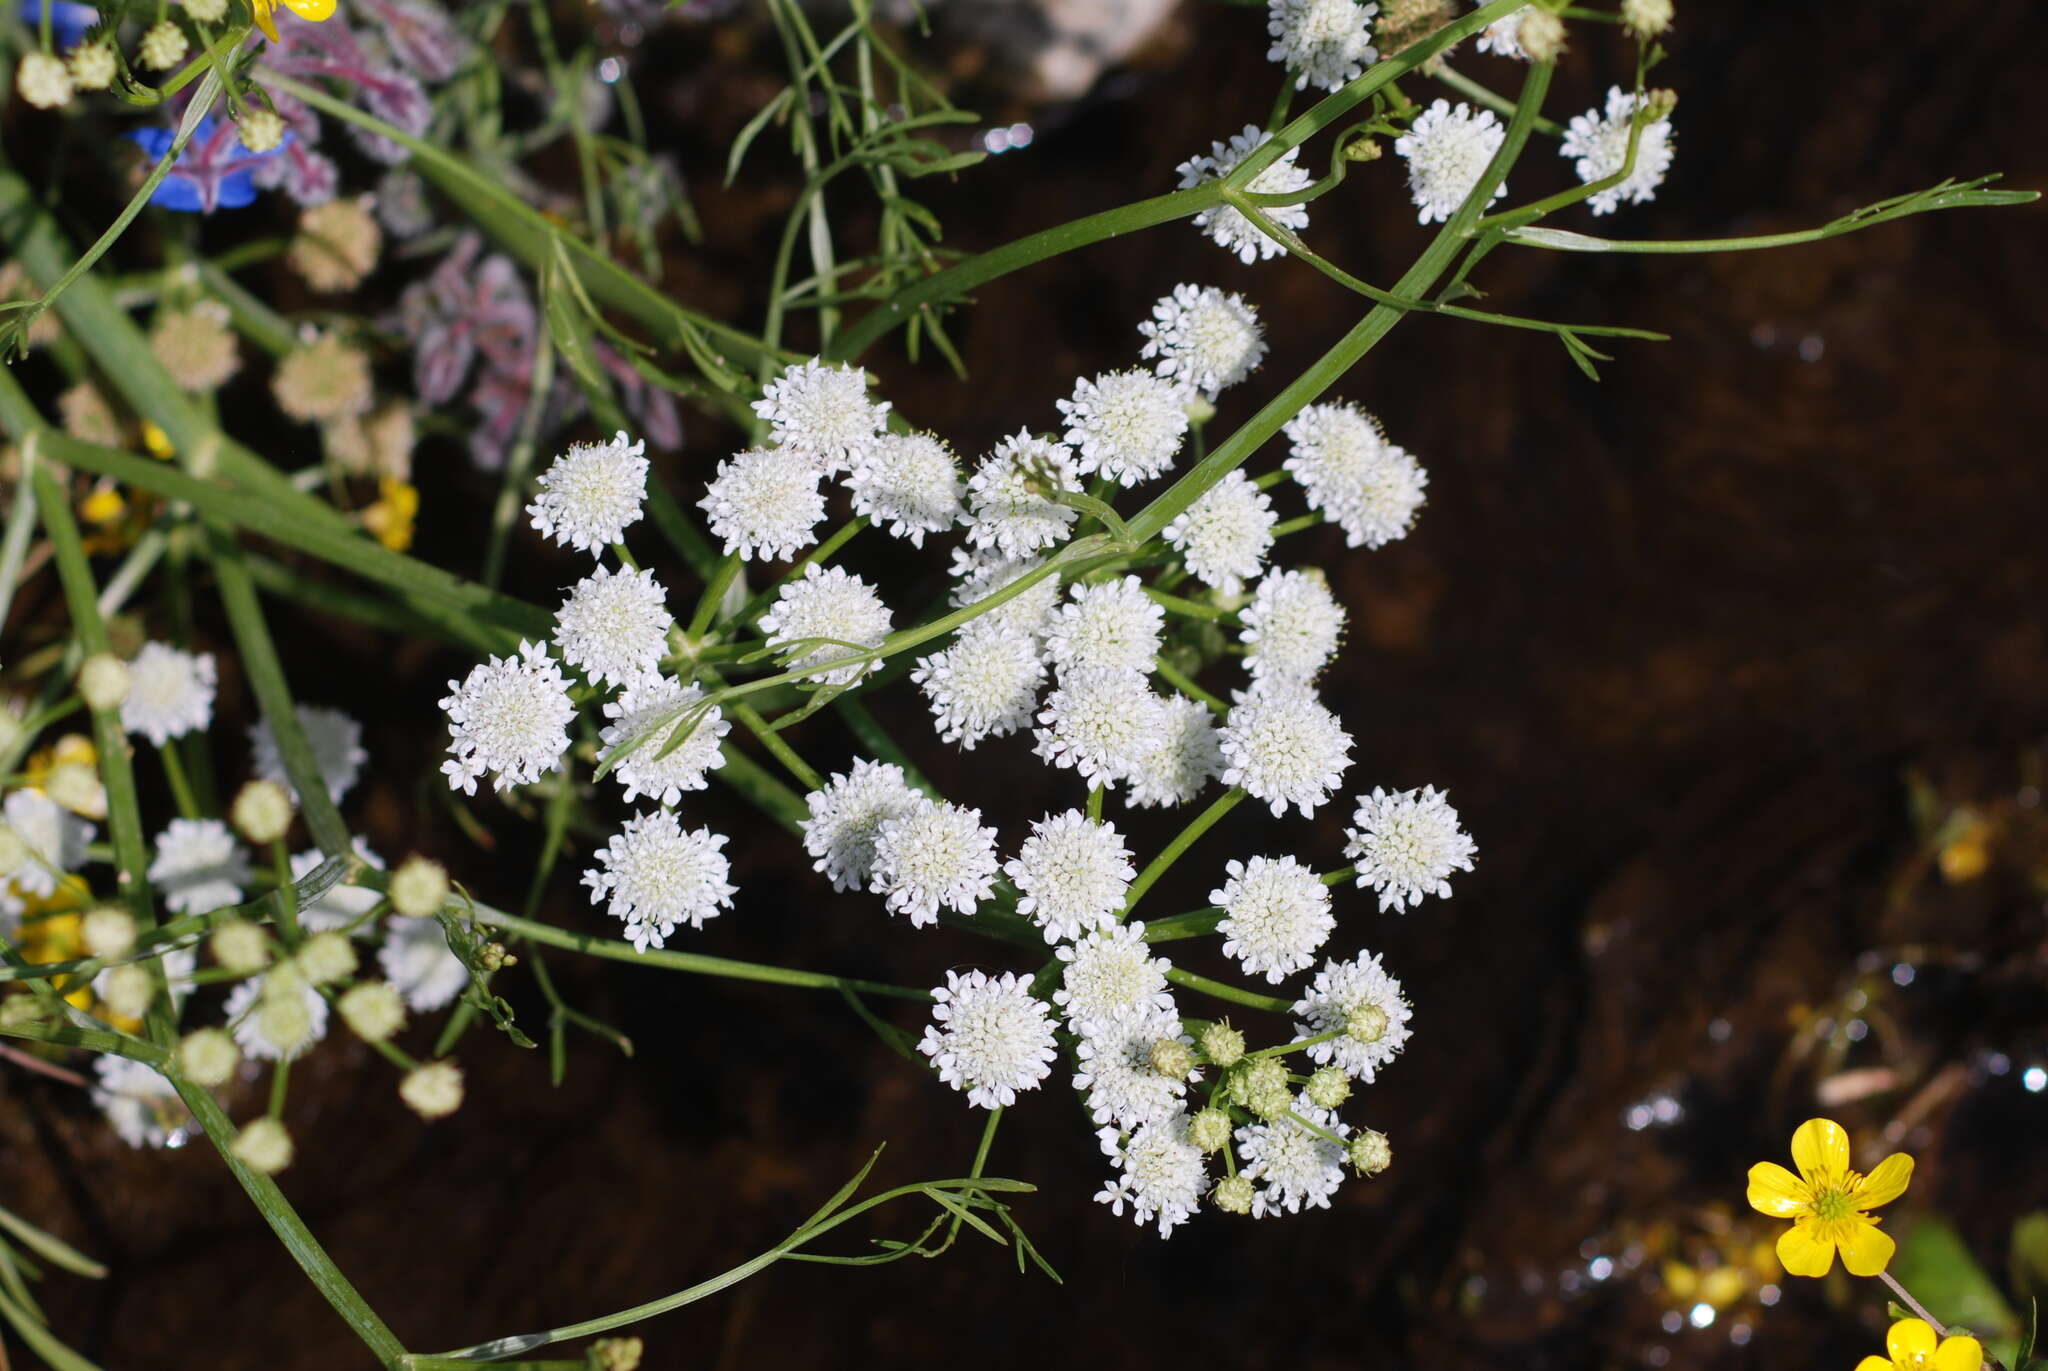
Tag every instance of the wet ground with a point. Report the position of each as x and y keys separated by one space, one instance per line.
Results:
x=1684 y=647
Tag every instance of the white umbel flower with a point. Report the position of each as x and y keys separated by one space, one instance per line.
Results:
x=1503 y=37
x=1276 y=913
x=1342 y=992
x=1160 y=1173
x=52 y=841
x=1294 y=1167
x=1099 y=722
x=829 y=605
x=989 y=1037
x=1109 y=972
x=645 y=771
x=654 y=875
x=846 y=816
x=1113 y=626
x=1291 y=627
x=1360 y=481
x=251 y=1027
x=1447 y=151
x=337 y=743
x=142 y=1106
x=765 y=503
x=1406 y=845
x=1224 y=536
x=1203 y=339
x=1116 y=1072
x=509 y=717
x=935 y=856
x=985 y=684
x=979 y=573
x=614 y=625
x=908 y=485
x=1010 y=495
x=1284 y=747
x=1325 y=43
x=417 y=961
x=343 y=904
x=823 y=413
x=1224 y=224
x=591 y=493
x=170 y=693
x=1598 y=145
x=1071 y=874
x=1181 y=756
x=1128 y=425
x=199 y=867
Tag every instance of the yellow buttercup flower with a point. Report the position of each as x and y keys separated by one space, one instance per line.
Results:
x=1910 y=1346
x=390 y=519
x=1827 y=1203
x=314 y=10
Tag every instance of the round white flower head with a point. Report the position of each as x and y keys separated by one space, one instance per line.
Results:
x=848 y=813
x=653 y=875
x=1114 y=1055
x=170 y=693
x=1503 y=37
x=1406 y=845
x=1204 y=339
x=1099 y=722
x=418 y=963
x=614 y=625
x=1113 y=626
x=1599 y=145
x=1276 y=913
x=1179 y=757
x=198 y=867
x=765 y=503
x=988 y=1037
x=1160 y=1173
x=979 y=573
x=337 y=743
x=1365 y=484
x=141 y=1105
x=1224 y=536
x=509 y=717
x=1348 y=995
x=645 y=771
x=822 y=412
x=1109 y=972
x=1291 y=627
x=1325 y=43
x=1284 y=747
x=985 y=684
x=343 y=904
x=1447 y=151
x=1293 y=1166
x=907 y=484
x=1128 y=425
x=830 y=605
x=1010 y=495
x=1225 y=225
x=590 y=493
x=256 y=1022
x=51 y=840
x=936 y=855
x=1071 y=875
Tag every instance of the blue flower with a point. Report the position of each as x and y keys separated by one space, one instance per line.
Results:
x=68 y=20
x=212 y=173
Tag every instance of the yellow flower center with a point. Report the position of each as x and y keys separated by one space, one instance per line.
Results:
x=1832 y=1206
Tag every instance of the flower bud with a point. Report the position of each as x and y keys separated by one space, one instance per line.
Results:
x=262 y=812
x=433 y=1091
x=1541 y=34
x=208 y=1056
x=1659 y=102
x=1363 y=150
x=1366 y=1022
x=326 y=958
x=103 y=681
x=108 y=932
x=1328 y=1088
x=284 y=1020
x=1371 y=1153
x=373 y=1010
x=207 y=11
x=495 y=956
x=43 y=81
x=92 y=66
x=240 y=946
x=77 y=787
x=1233 y=1195
x=263 y=1145
x=419 y=888
x=262 y=131
x=127 y=990
x=1265 y=1087
x=163 y=46
x=616 y=1354
x=1171 y=1057
x=1209 y=1130
x=1222 y=1044
x=1646 y=18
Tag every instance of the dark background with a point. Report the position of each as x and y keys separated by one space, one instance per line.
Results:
x=1682 y=646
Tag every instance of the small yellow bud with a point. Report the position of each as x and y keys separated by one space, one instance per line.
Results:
x=240 y=946
x=103 y=681
x=1233 y=1195
x=1209 y=1130
x=1371 y=1153
x=326 y=958
x=1172 y=1057
x=419 y=888
x=263 y=1145
x=433 y=1091
x=1366 y=1023
x=1541 y=35
x=44 y=81
x=92 y=66
x=108 y=932
x=1646 y=18
x=1328 y=1088
x=127 y=990
x=262 y=812
x=284 y=1021
x=616 y=1354
x=373 y=1010
x=162 y=47
x=1223 y=1044
x=208 y=1056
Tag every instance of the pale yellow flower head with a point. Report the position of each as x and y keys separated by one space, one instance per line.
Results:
x=1911 y=1346
x=1828 y=1203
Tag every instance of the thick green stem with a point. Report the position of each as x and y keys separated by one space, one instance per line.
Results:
x=1182 y=841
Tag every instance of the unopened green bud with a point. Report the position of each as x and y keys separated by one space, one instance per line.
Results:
x=1646 y=18
x=616 y=1354
x=208 y=1056
x=1233 y=1195
x=285 y=1021
x=1223 y=1044
x=108 y=932
x=419 y=888
x=1266 y=1091
x=103 y=681
x=326 y=958
x=1541 y=34
x=127 y=990
x=433 y=1091
x=1366 y=1023
x=1371 y=1153
x=373 y=1010
x=1172 y=1058
x=495 y=956
x=240 y=947
x=263 y=1145
x=1660 y=101
x=1328 y=1088
x=1363 y=149
x=262 y=812
x=1209 y=1130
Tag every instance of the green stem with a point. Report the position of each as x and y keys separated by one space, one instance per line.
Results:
x=1220 y=990
x=1182 y=841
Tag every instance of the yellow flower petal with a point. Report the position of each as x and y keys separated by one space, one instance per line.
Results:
x=1877 y=1364
x=315 y=10
x=1909 y=1341
x=1885 y=1184
x=1959 y=1354
x=1866 y=1248
x=1802 y=1253
x=1820 y=1148
x=1777 y=1192
x=261 y=10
